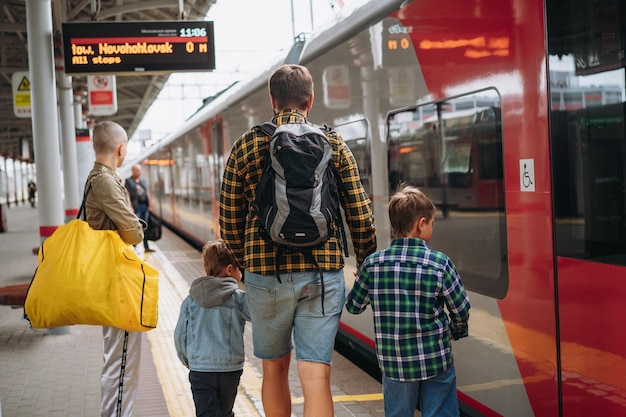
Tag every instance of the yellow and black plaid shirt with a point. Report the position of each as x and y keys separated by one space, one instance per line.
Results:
x=240 y=225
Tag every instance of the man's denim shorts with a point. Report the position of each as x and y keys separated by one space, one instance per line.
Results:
x=295 y=303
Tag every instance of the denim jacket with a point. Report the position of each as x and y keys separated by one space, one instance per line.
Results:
x=209 y=332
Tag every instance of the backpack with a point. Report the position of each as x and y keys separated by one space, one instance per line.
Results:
x=154 y=231
x=297 y=197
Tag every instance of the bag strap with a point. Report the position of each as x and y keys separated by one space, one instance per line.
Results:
x=308 y=255
x=268 y=128
x=342 y=190
x=82 y=210
x=120 y=386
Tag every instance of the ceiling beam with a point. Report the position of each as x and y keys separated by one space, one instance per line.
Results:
x=135 y=7
x=71 y=15
x=13 y=69
x=13 y=27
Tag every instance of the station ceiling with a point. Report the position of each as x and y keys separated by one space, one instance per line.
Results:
x=135 y=93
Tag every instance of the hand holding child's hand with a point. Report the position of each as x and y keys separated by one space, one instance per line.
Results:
x=458 y=331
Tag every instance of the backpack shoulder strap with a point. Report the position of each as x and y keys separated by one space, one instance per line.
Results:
x=342 y=190
x=327 y=129
x=268 y=128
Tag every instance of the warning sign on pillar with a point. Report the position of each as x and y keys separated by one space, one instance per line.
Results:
x=102 y=95
x=21 y=94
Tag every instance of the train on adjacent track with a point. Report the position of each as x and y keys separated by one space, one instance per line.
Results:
x=509 y=114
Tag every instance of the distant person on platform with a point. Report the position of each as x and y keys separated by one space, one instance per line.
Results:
x=139 y=198
x=209 y=333
x=32 y=191
x=107 y=207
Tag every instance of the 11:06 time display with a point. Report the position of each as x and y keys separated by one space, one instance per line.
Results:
x=192 y=32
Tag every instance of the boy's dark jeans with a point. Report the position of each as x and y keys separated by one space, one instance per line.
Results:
x=214 y=392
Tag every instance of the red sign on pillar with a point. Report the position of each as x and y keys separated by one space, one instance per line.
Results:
x=102 y=95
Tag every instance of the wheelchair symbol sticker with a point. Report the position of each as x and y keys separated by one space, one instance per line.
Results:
x=527 y=175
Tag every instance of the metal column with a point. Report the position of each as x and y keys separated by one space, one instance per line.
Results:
x=68 y=145
x=44 y=115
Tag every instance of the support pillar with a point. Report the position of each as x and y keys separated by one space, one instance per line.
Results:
x=68 y=145
x=44 y=115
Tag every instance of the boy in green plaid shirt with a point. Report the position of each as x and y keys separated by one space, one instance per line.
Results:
x=408 y=285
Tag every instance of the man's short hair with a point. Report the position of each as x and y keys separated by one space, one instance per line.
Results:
x=291 y=86
x=406 y=207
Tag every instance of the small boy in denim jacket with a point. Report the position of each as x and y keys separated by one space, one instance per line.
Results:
x=209 y=332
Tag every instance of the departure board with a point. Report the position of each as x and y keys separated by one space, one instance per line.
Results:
x=138 y=47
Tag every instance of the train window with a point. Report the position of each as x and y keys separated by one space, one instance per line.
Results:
x=587 y=129
x=356 y=136
x=452 y=151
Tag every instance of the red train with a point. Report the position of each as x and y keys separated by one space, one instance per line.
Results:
x=509 y=114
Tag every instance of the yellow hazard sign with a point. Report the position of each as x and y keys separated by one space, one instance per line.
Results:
x=21 y=94
x=24 y=85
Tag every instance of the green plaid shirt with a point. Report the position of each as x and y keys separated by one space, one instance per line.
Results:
x=408 y=285
x=239 y=225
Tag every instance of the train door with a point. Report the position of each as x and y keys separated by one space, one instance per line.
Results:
x=453 y=151
x=586 y=44
x=213 y=138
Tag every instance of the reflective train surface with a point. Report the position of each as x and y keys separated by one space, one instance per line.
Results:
x=509 y=114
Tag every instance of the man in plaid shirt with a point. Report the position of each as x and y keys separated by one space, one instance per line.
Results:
x=298 y=303
x=408 y=286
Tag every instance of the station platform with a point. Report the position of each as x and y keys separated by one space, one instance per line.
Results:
x=56 y=372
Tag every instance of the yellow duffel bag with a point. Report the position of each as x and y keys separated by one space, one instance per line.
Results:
x=88 y=276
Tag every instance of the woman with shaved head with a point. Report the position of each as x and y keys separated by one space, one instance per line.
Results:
x=107 y=207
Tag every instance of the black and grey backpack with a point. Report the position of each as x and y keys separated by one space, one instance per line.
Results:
x=297 y=198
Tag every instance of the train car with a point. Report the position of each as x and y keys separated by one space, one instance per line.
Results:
x=509 y=114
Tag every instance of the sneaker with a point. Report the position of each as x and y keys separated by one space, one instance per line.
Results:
x=149 y=250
